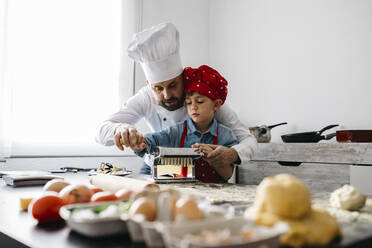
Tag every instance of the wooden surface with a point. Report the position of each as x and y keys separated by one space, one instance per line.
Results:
x=317 y=176
x=336 y=153
x=21 y=227
x=324 y=166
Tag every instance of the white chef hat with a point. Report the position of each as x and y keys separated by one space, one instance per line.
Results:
x=157 y=50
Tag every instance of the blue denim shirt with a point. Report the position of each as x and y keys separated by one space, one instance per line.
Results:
x=171 y=137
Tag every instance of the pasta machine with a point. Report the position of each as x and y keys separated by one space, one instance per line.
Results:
x=174 y=165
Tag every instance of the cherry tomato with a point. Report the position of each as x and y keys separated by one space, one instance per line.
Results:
x=96 y=190
x=123 y=194
x=103 y=196
x=46 y=208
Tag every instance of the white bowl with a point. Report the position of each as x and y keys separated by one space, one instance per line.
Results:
x=96 y=227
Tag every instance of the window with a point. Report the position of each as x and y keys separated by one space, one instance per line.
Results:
x=63 y=60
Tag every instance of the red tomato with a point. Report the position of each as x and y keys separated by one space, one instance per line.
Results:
x=103 y=196
x=123 y=194
x=46 y=208
x=96 y=190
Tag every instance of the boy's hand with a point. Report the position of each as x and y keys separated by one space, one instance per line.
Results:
x=218 y=156
x=204 y=148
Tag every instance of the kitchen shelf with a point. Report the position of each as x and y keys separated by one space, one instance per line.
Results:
x=324 y=166
x=335 y=153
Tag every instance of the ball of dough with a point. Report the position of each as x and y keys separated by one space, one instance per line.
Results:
x=283 y=195
x=348 y=198
x=316 y=229
x=285 y=198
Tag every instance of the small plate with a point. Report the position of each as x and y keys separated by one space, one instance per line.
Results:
x=93 y=227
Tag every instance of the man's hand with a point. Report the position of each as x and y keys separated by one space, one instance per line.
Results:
x=139 y=146
x=127 y=135
x=218 y=156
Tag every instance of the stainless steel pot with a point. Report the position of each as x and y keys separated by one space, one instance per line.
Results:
x=263 y=133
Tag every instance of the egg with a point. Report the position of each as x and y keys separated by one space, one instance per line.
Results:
x=75 y=194
x=144 y=206
x=55 y=185
x=187 y=208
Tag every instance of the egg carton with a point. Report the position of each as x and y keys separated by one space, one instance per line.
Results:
x=134 y=223
x=141 y=230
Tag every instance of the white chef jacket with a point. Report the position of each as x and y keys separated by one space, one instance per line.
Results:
x=145 y=105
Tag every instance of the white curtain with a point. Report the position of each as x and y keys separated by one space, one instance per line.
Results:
x=131 y=23
x=64 y=61
x=5 y=145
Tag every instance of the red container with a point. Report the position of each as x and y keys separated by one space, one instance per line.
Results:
x=354 y=136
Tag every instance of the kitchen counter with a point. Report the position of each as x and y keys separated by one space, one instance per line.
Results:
x=356 y=226
x=20 y=230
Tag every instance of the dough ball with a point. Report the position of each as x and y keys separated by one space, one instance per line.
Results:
x=285 y=198
x=348 y=198
x=316 y=229
x=260 y=217
x=283 y=195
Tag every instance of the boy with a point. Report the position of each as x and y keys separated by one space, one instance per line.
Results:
x=205 y=91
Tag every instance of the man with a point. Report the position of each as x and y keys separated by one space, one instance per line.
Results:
x=161 y=102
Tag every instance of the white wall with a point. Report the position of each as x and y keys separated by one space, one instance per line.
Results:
x=307 y=62
x=191 y=18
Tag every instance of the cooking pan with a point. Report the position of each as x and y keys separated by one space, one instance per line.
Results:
x=306 y=137
x=309 y=137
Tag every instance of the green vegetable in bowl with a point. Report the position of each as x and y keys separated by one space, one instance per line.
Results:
x=100 y=211
x=124 y=206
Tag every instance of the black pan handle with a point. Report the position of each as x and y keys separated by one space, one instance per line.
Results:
x=326 y=128
x=329 y=136
x=272 y=126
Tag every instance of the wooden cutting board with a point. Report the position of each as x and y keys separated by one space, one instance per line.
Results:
x=354 y=136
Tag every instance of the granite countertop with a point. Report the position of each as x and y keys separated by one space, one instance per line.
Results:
x=355 y=225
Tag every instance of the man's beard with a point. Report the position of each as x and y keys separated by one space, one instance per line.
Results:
x=178 y=103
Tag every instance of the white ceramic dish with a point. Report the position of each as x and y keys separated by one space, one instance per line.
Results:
x=93 y=227
x=181 y=235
